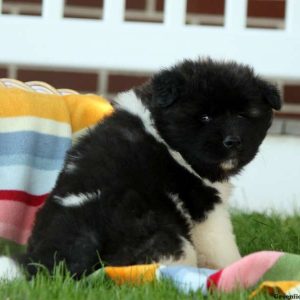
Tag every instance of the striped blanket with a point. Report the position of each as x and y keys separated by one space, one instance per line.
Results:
x=36 y=130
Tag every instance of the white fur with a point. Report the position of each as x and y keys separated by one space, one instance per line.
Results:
x=77 y=200
x=131 y=103
x=70 y=167
x=180 y=207
x=9 y=269
x=189 y=257
x=229 y=164
x=180 y=160
x=213 y=238
x=224 y=188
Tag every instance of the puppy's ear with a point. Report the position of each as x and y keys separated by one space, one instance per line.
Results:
x=270 y=94
x=166 y=88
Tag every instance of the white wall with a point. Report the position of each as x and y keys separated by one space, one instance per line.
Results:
x=272 y=181
x=113 y=44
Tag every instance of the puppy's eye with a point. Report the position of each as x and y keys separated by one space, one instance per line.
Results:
x=252 y=113
x=205 y=118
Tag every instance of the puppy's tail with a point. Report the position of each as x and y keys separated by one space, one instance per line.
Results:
x=10 y=269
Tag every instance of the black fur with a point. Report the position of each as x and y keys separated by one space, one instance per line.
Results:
x=194 y=106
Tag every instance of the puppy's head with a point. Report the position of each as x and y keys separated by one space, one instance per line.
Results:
x=215 y=114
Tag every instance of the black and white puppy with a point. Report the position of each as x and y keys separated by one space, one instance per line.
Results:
x=150 y=182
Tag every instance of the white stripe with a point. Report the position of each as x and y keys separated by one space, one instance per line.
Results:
x=24 y=178
x=40 y=125
x=77 y=200
x=9 y=269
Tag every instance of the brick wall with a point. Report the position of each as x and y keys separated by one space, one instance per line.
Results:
x=261 y=14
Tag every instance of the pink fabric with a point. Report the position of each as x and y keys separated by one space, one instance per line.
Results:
x=13 y=233
x=247 y=271
x=16 y=220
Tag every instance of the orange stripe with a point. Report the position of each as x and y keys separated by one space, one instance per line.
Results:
x=132 y=274
x=87 y=111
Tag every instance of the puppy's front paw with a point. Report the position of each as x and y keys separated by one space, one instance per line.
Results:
x=204 y=262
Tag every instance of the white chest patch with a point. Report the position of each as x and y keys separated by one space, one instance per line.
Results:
x=77 y=200
x=224 y=189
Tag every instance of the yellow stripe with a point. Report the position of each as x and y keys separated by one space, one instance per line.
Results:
x=78 y=110
x=15 y=103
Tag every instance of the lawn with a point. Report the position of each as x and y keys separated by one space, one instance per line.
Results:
x=254 y=232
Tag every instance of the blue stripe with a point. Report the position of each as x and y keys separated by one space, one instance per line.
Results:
x=35 y=144
x=33 y=161
x=28 y=179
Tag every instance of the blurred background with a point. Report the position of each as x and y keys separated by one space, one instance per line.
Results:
x=263 y=33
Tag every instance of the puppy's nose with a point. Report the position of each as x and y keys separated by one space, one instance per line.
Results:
x=232 y=142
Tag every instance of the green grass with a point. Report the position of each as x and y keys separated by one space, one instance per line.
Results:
x=254 y=232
